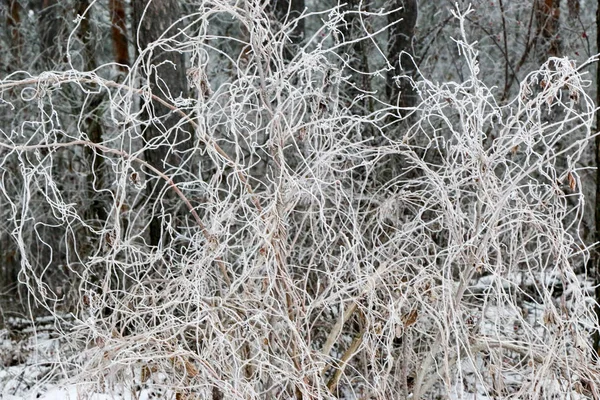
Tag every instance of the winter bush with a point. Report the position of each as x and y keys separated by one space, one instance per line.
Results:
x=310 y=248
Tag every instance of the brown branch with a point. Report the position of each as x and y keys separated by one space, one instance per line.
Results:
x=348 y=354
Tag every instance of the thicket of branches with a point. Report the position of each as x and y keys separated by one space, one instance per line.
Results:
x=286 y=231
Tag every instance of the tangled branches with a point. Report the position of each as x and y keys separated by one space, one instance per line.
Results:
x=309 y=246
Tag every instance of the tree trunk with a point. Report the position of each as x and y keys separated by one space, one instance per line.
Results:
x=595 y=256
x=150 y=21
x=95 y=178
x=547 y=14
x=286 y=11
x=118 y=33
x=9 y=255
x=50 y=29
x=401 y=36
x=358 y=55
x=13 y=20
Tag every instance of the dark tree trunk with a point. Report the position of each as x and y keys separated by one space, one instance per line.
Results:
x=595 y=256
x=13 y=20
x=150 y=21
x=95 y=177
x=50 y=31
x=9 y=255
x=358 y=55
x=286 y=11
x=401 y=36
x=9 y=272
x=547 y=15
x=118 y=32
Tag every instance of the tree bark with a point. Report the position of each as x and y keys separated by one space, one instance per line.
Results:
x=595 y=256
x=118 y=33
x=285 y=11
x=50 y=29
x=150 y=20
x=13 y=20
x=547 y=15
x=358 y=55
x=95 y=178
x=401 y=36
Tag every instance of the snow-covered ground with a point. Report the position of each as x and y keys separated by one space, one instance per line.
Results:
x=30 y=356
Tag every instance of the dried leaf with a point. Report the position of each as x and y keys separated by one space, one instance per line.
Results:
x=190 y=369
x=147 y=372
x=549 y=318
x=410 y=318
x=572 y=181
x=110 y=238
x=135 y=178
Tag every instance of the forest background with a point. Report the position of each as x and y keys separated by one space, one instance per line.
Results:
x=303 y=199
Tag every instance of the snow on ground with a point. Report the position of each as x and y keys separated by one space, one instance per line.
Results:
x=29 y=357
